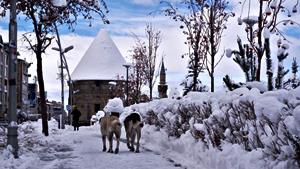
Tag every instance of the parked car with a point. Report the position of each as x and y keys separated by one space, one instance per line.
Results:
x=33 y=116
x=23 y=116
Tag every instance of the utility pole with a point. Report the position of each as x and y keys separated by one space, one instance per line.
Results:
x=62 y=61
x=61 y=79
x=12 y=133
x=127 y=66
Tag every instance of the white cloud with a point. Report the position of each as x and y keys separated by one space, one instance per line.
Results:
x=145 y=2
x=150 y=2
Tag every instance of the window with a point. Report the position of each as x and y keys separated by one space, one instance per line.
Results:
x=97 y=83
x=97 y=107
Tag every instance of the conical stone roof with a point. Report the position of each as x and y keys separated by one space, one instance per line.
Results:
x=102 y=60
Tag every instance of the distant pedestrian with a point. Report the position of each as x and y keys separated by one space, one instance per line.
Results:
x=76 y=115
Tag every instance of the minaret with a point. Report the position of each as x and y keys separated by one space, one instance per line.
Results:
x=162 y=87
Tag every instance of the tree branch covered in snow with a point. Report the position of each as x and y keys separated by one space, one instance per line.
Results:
x=294 y=81
x=244 y=58
x=281 y=55
x=266 y=23
x=269 y=63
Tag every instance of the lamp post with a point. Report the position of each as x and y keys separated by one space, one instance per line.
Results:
x=12 y=129
x=127 y=66
x=62 y=61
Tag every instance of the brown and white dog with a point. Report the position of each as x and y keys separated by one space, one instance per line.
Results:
x=109 y=126
x=133 y=127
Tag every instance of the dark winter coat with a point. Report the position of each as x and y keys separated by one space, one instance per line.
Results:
x=76 y=114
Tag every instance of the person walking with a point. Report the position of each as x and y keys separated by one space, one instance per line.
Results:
x=76 y=115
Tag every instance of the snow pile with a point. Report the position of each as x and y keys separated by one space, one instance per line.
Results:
x=100 y=114
x=114 y=105
x=260 y=127
x=36 y=150
x=174 y=93
x=193 y=154
x=261 y=86
x=97 y=117
x=59 y=3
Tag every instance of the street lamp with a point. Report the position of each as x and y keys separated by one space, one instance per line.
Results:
x=62 y=61
x=67 y=49
x=127 y=66
x=12 y=129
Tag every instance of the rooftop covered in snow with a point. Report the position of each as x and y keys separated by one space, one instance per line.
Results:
x=102 y=60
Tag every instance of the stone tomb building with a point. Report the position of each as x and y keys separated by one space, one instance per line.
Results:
x=92 y=78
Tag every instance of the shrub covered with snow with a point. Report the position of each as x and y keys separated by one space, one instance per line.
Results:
x=264 y=122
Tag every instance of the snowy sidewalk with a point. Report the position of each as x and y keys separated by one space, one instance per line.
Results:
x=88 y=146
x=68 y=149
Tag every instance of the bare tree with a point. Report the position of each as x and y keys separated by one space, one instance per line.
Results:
x=43 y=14
x=148 y=54
x=197 y=40
x=137 y=78
x=203 y=27
x=215 y=16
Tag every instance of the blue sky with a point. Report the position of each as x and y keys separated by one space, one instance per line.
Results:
x=131 y=16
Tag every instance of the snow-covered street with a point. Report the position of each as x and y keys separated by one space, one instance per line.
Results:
x=68 y=149
x=87 y=146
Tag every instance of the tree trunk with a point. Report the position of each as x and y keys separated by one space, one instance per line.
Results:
x=269 y=65
x=212 y=82
x=196 y=74
x=150 y=89
x=213 y=53
x=42 y=103
x=259 y=35
x=259 y=58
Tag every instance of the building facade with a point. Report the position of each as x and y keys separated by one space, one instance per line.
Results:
x=91 y=79
x=21 y=81
x=22 y=85
x=91 y=96
x=3 y=77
